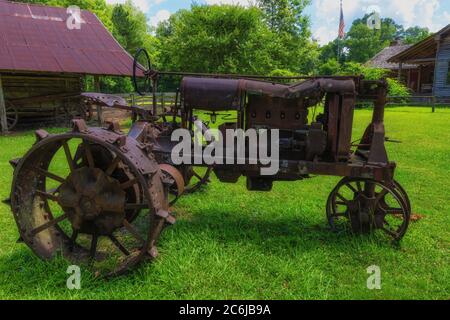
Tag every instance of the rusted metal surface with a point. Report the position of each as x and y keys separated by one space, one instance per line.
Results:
x=110 y=180
x=113 y=178
x=35 y=38
x=211 y=94
x=115 y=102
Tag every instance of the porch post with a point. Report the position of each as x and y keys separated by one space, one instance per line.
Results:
x=99 y=108
x=409 y=79
x=400 y=70
x=419 y=80
x=3 y=121
x=436 y=62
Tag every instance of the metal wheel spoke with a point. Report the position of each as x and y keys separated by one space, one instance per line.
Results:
x=48 y=225
x=342 y=198
x=382 y=194
x=394 y=211
x=47 y=195
x=49 y=175
x=131 y=229
x=136 y=206
x=73 y=239
x=359 y=187
x=197 y=175
x=68 y=156
x=93 y=249
x=348 y=185
x=119 y=245
x=338 y=215
x=89 y=156
x=112 y=167
x=128 y=184
x=390 y=232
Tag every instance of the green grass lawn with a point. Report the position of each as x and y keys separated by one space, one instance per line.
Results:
x=229 y=243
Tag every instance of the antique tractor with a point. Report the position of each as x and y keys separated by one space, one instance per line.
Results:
x=104 y=196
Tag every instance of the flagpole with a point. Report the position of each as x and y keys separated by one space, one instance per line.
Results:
x=341 y=31
x=339 y=35
x=339 y=49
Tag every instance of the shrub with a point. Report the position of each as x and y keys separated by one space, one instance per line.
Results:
x=330 y=68
x=398 y=89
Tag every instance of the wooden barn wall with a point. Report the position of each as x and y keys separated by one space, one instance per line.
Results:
x=441 y=86
x=32 y=86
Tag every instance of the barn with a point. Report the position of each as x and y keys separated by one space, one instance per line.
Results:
x=432 y=55
x=44 y=63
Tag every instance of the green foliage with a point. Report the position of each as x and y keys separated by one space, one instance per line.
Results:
x=395 y=88
x=415 y=34
x=130 y=26
x=211 y=39
x=286 y=16
x=363 y=43
x=398 y=89
x=329 y=51
x=231 y=39
x=283 y=73
x=330 y=68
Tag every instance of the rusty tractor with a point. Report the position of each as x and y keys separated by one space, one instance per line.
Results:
x=104 y=196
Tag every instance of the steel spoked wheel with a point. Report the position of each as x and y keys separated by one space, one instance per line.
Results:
x=175 y=185
x=79 y=195
x=142 y=68
x=366 y=206
x=196 y=178
x=12 y=115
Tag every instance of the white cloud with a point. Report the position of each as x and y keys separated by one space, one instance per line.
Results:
x=161 y=15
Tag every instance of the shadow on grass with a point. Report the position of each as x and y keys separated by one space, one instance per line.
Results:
x=277 y=235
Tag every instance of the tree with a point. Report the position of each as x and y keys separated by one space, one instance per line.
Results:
x=231 y=39
x=363 y=42
x=330 y=68
x=329 y=51
x=415 y=34
x=286 y=16
x=130 y=26
x=209 y=39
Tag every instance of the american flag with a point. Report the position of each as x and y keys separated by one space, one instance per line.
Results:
x=342 y=24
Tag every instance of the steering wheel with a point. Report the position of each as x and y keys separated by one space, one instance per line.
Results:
x=142 y=68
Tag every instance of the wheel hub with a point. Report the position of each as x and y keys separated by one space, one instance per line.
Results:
x=361 y=213
x=94 y=201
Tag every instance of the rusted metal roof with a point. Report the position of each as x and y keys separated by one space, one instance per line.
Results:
x=382 y=58
x=35 y=38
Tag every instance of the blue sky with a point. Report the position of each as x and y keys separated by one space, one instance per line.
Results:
x=434 y=14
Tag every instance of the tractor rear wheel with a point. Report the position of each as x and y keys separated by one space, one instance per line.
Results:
x=93 y=195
